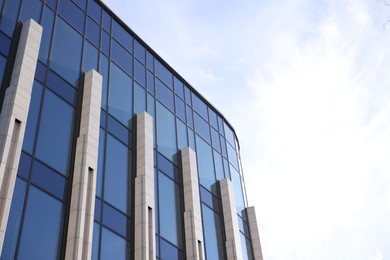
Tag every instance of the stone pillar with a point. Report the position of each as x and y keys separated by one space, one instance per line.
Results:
x=232 y=231
x=13 y=116
x=82 y=205
x=192 y=213
x=144 y=242
x=254 y=230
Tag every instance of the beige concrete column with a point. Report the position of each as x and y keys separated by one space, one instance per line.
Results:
x=144 y=241
x=254 y=230
x=192 y=214
x=232 y=231
x=13 y=116
x=82 y=205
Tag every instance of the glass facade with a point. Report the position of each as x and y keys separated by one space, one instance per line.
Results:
x=79 y=36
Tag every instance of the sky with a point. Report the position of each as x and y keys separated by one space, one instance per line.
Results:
x=306 y=85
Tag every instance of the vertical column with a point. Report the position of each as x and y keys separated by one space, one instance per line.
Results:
x=82 y=205
x=192 y=214
x=232 y=231
x=14 y=113
x=254 y=230
x=144 y=242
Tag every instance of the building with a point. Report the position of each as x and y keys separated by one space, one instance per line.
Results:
x=106 y=152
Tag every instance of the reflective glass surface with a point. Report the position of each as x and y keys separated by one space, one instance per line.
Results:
x=55 y=132
x=31 y=9
x=165 y=95
x=237 y=190
x=72 y=14
x=93 y=32
x=99 y=176
x=164 y=74
x=246 y=248
x=95 y=241
x=66 y=51
x=139 y=99
x=47 y=33
x=139 y=73
x=181 y=135
x=91 y=57
x=205 y=164
x=113 y=246
x=9 y=15
x=103 y=70
x=213 y=235
x=122 y=57
x=42 y=227
x=166 y=131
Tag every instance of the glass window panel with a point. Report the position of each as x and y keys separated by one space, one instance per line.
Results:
x=118 y=130
x=14 y=220
x=166 y=132
x=187 y=95
x=180 y=108
x=94 y=10
x=226 y=168
x=120 y=96
x=139 y=73
x=213 y=118
x=31 y=9
x=115 y=220
x=215 y=139
x=98 y=209
x=95 y=241
x=66 y=52
x=223 y=146
x=218 y=165
x=106 y=21
x=165 y=95
x=170 y=219
x=47 y=23
x=117 y=186
x=99 y=176
x=32 y=119
x=213 y=235
x=9 y=15
x=205 y=164
x=246 y=248
x=81 y=3
x=169 y=252
x=200 y=107
x=52 y=4
x=24 y=165
x=237 y=190
x=220 y=126
x=232 y=155
x=113 y=246
x=55 y=133
x=40 y=72
x=122 y=36
x=103 y=70
x=93 y=32
x=150 y=105
x=179 y=90
x=167 y=167
x=139 y=51
x=149 y=61
x=181 y=135
x=139 y=99
x=202 y=127
x=191 y=139
x=229 y=134
x=164 y=74
x=42 y=227
x=105 y=43
x=190 y=121
x=150 y=82
x=91 y=57
x=5 y=44
x=122 y=57
x=61 y=87
x=72 y=14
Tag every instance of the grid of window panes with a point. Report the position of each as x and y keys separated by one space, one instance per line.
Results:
x=80 y=35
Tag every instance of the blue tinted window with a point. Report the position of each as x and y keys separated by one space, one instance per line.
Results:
x=120 y=97
x=122 y=57
x=9 y=15
x=226 y=167
x=190 y=121
x=106 y=21
x=116 y=186
x=139 y=99
x=14 y=219
x=165 y=95
x=167 y=167
x=205 y=164
x=229 y=134
x=150 y=105
x=164 y=74
x=105 y=43
x=122 y=36
x=115 y=220
x=47 y=23
x=237 y=190
x=191 y=139
x=150 y=82
x=169 y=252
x=103 y=70
x=42 y=227
x=93 y=32
x=48 y=180
x=202 y=127
x=91 y=57
x=113 y=246
x=31 y=9
x=218 y=165
x=139 y=73
x=72 y=14
x=180 y=109
x=200 y=107
x=213 y=235
x=55 y=133
x=40 y=72
x=5 y=44
x=32 y=119
x=179 y=90
x=246 y=248
x=170 y=221
x=187 y=95
x=139 y=51
x=24 y=165
x=181 y=135
x=81 y=3
x=62 y=88
x=223 y=146
x=220 y=125
x=149 y=61
x=232 y=155
x=94 y=10
x=166 y=131
x=213 y=118
x=118 y=130
x=66 y=51
x=99 y=176
x=95 y=241
x=52 y=3
x=98 y=209
x=215 y=139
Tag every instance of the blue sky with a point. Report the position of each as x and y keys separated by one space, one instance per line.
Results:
x=306 y=86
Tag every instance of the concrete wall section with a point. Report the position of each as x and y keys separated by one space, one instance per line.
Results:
x=254 y=230
x=14 y=113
